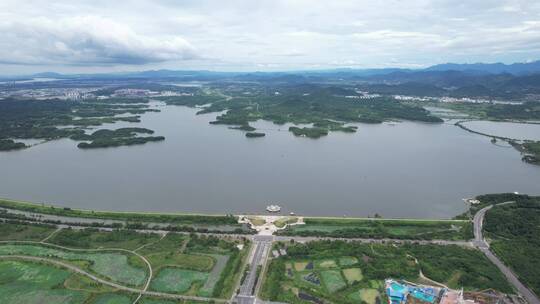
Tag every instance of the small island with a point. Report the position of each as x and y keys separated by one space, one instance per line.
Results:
x=255 y=134
x=309 y=132
x=114 y=138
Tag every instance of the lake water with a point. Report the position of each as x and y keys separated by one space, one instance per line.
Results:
x=402 y=170
x=513 y=130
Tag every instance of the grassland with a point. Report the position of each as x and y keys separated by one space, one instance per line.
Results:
x=343 y=272
x=181 y=263
x=111 y=265
x=93 y=238
x=13 y=231
x=25 y=282
x=380 y=228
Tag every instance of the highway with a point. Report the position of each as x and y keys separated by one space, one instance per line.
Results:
x=483 y=246
x=261 y=247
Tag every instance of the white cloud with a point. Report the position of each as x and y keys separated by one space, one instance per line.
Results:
x=264 y=34
x=85 y=40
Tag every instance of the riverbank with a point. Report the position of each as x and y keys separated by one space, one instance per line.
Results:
x=529 y=149
x=393 y=228
x=184 y=218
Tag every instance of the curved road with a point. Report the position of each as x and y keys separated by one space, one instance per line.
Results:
x=483 y=246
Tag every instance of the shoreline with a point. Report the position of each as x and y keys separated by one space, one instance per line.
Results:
x=63 y=211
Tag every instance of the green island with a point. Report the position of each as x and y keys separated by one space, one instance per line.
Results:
x=255 y=134
x=55 y=119
x=328 y=108
x=309 y=132
x=114 y=138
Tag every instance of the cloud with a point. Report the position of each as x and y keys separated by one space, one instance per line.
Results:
x=85 y=40
x=263 y=34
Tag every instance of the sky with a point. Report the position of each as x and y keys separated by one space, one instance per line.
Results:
x=71 y=36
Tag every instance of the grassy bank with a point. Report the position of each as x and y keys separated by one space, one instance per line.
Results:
x=173 y=218
x=383 y=228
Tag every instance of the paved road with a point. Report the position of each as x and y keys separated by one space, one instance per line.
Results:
x=72 y=225
x=481 y=243
x=259 y=254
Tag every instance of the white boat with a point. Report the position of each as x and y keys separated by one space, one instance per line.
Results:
x=273 y=208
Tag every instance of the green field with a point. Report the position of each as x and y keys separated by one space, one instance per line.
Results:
x=92 y=238
x=35 y=283
x=353 y=275
x=178 y=280
x=347 y=261
x=114 y=266
x=11 y=232
x=183 y=264
x=333 y=280
x=344 y=272
x=367 y=295
x=381 y=228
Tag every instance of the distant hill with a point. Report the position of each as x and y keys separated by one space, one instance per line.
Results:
x=491 y=68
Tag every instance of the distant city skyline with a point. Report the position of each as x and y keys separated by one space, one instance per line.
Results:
x=240 y=35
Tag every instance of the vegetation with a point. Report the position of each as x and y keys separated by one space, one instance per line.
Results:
x=24 y=232
x=108 y=264
x=379 y=228
x=9 y=144
x=93 y=238
x=255 y=134
x=184 y=219
x=116 y=138
x=54 y=119
x=314 y=269
x=25 y=282
x=184 y=264
x=514 y=230
x=491 y=199
x=327 y=108
x=531 y=151
x=309 y=132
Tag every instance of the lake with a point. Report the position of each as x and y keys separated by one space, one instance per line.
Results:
x=397 y=170
x=513 y=130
